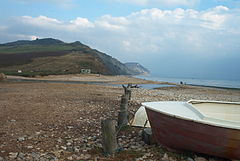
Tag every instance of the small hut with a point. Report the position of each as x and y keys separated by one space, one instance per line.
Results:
x=85 y=71
x=2 y=77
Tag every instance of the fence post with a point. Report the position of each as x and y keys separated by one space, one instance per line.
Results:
x=127 y=91
x=109 y=137
x=123 y=115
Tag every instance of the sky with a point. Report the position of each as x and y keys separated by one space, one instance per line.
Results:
x=172 y=38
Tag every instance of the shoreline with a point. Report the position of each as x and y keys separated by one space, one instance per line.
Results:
x=95 y=79
x=224 y=84
x=218 y=87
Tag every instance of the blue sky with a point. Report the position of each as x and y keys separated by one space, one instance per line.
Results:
x=174 y=38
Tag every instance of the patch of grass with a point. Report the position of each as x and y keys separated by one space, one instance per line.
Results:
x=63 y=58
x=68 y=63
x=34 y=48
x=31 y=74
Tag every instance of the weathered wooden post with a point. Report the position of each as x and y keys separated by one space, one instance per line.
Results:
x=109 y=136
x=124 y=103
x=123 y=112
x=127 y=91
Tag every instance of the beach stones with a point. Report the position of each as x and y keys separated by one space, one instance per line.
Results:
x=200 y=159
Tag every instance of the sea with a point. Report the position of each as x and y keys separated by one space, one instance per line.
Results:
x=232 y=84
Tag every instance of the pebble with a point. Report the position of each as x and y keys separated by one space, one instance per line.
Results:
x=165 y=157
x=84 y=150
x=144 y=157
x=64 y=147
x=76 y=149
x=35 y=155
x=190 y=159
x=59 y=140
x=211 y=159
x=70 y=127
x=148 y=154
x=38 y=132
x=51 y=156
x=29 y=147
x=200 y=159
x=68 y=144
x=21 y=155
x=172 y=159
x=84 y=157
x=70 y=149
x=23 y=138
x=13 y=155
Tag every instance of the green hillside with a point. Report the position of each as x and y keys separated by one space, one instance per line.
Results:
x=51 y=56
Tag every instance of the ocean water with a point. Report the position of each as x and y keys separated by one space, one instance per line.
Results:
x=194 y=81
x=145 y=86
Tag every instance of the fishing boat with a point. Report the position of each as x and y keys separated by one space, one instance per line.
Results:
x=209 y=127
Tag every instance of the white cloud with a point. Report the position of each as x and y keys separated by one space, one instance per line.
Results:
x=155 y=27
x=150 y=34
x=40 y=21
x=110 y=23
x=215 y=18
x=81 y=22
x=23 y=37
x=50 y=24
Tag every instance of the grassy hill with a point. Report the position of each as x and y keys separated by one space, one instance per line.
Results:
x=51 y=56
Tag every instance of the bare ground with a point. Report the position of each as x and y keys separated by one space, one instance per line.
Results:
x=57 y=121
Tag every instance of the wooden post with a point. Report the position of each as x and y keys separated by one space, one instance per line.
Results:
x=109 y=136
x=122 y=118
x=127 y=91
x=123 y=113
x=124 y=103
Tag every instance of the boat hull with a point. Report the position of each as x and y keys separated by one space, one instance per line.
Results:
x=188 y=135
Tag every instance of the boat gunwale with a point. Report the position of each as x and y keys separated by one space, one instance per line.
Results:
x=203 y=119
x=210 y=101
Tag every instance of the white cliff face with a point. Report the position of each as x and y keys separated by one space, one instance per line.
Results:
x=136 y=68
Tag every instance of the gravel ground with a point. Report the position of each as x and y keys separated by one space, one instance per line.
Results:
x=58 y=121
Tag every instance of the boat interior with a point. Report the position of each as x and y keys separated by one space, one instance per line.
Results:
x=218 y=111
